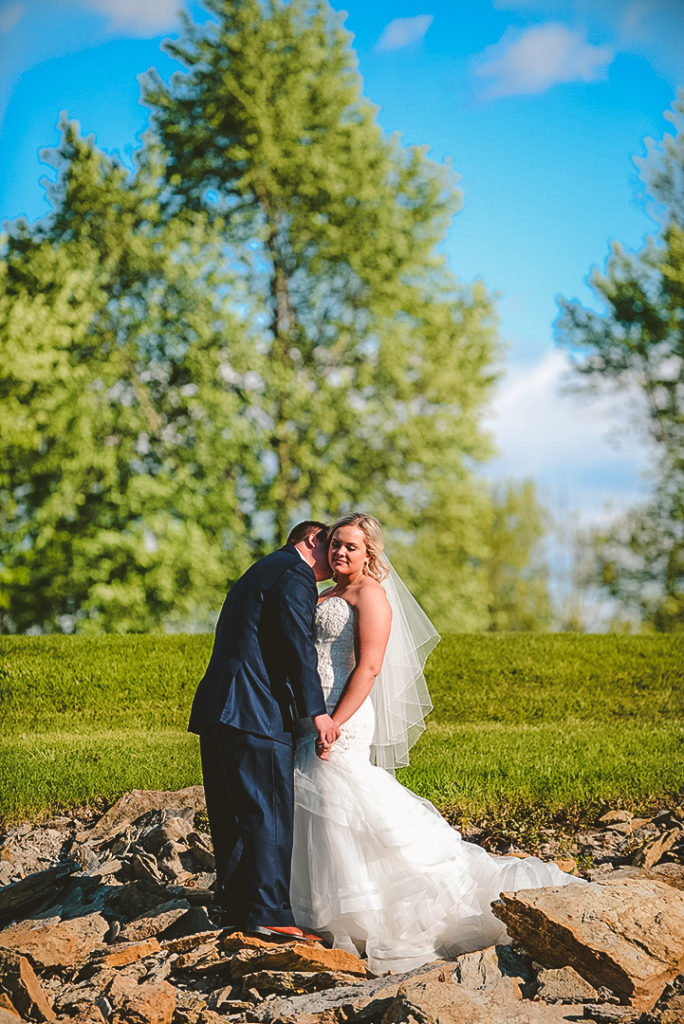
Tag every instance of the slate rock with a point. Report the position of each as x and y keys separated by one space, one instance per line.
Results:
x=627 y=935
x=53 y=942
x=292 y=956
x=22 y=896
x=564 y=985
x=488 y=968
x=293 y=982
x=650 y=854
x=434 y=998
x=154 y=922
x=18 y=981
x=131 y=806
x=132 y=1003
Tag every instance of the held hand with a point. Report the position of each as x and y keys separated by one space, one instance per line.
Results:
x=328 y=731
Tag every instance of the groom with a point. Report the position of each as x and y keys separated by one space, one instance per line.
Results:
x=261 y=678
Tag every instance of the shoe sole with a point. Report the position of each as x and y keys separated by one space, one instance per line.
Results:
x=266 y=933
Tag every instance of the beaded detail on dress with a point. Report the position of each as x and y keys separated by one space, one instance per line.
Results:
x=334 y=638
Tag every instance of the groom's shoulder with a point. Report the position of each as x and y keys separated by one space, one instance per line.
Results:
x=284 y=560
x=289 y=571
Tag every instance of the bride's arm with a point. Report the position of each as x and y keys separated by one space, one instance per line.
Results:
x=372 y=620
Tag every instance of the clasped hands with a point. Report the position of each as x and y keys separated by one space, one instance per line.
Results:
x=328 y=731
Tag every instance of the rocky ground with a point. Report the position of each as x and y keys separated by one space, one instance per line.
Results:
x=108 y=918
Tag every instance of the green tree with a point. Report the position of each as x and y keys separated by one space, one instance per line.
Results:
x=255 y=326
x=121 y=442
x=518 y=574
x=637 y=347
x=370 y=362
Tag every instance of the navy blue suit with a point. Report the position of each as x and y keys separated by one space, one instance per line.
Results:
x=261 y=677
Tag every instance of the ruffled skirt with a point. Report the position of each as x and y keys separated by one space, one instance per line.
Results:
x=377 y=870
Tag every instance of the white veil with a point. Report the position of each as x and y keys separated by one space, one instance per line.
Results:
x=400 y=695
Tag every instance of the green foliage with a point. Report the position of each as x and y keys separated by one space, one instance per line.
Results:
x=518 y=577
x=254 y=327
x=637 y=346
x=371 y=363
x=522 y=725
x=117 y=470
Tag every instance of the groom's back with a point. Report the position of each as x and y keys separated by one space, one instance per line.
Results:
x=245 y=684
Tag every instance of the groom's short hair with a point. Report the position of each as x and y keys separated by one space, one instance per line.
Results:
x=302 y=530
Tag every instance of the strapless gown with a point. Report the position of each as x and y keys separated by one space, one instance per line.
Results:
x=375 y=868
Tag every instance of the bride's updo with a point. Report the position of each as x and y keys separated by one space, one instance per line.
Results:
x=376 y=566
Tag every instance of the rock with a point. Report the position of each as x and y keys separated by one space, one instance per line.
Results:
x=31 y=849
x=207 y=958
x=491 y=967
x=615 y=817
x=53 y=942
x=670 y=873
x=194 y=921
x=154 y=922
x=76 y=1000
x=670 y=1007
x=360 y=1001
x=19 y=897
x=564 y=985
x=145 y=867
x=296 y=956
x=293 y=982
x=651 y=853
x=137 y=898
x=170 y=829
x=133 y=805
x=567 y=864
x=434 y=998
x=612 y=1015
x=186 y=943
x=19 y=983
x=127 y=953
x=141 y=1004
x=7 y=1017
x=86 y=1015
x=627 y=935
x=194 y=891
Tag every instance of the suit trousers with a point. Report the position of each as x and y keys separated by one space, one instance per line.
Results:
x=249 y=789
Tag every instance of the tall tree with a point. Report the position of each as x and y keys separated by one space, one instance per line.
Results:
x=637 y=346
x=121 y=443
x=371 y=363
x=256 y=326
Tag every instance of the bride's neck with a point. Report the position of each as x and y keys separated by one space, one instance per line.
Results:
x=346 y=581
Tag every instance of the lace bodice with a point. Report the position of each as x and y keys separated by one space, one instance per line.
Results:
x=334 y=639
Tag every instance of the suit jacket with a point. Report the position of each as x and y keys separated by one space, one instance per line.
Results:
x=263 y=672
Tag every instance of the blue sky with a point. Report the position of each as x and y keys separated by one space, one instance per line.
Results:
x=541 y=106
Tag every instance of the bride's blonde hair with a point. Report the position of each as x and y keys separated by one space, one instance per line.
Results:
x=376 y=566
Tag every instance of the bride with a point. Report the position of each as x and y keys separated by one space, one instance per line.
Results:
x=375 y=868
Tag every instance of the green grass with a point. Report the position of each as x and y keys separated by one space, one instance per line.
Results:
x=525 y=728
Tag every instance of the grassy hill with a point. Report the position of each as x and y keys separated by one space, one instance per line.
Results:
x=542 y=727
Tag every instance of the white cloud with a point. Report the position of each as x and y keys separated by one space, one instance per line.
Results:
x=578 y=450
x=652 y=29
x=138 y=17
x=540 y=57
x=10 y=15
x=403 y=31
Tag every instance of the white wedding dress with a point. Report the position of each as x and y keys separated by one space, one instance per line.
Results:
x=376 y=868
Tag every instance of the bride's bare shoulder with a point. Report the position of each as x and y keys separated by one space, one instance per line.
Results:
x=371 y=594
